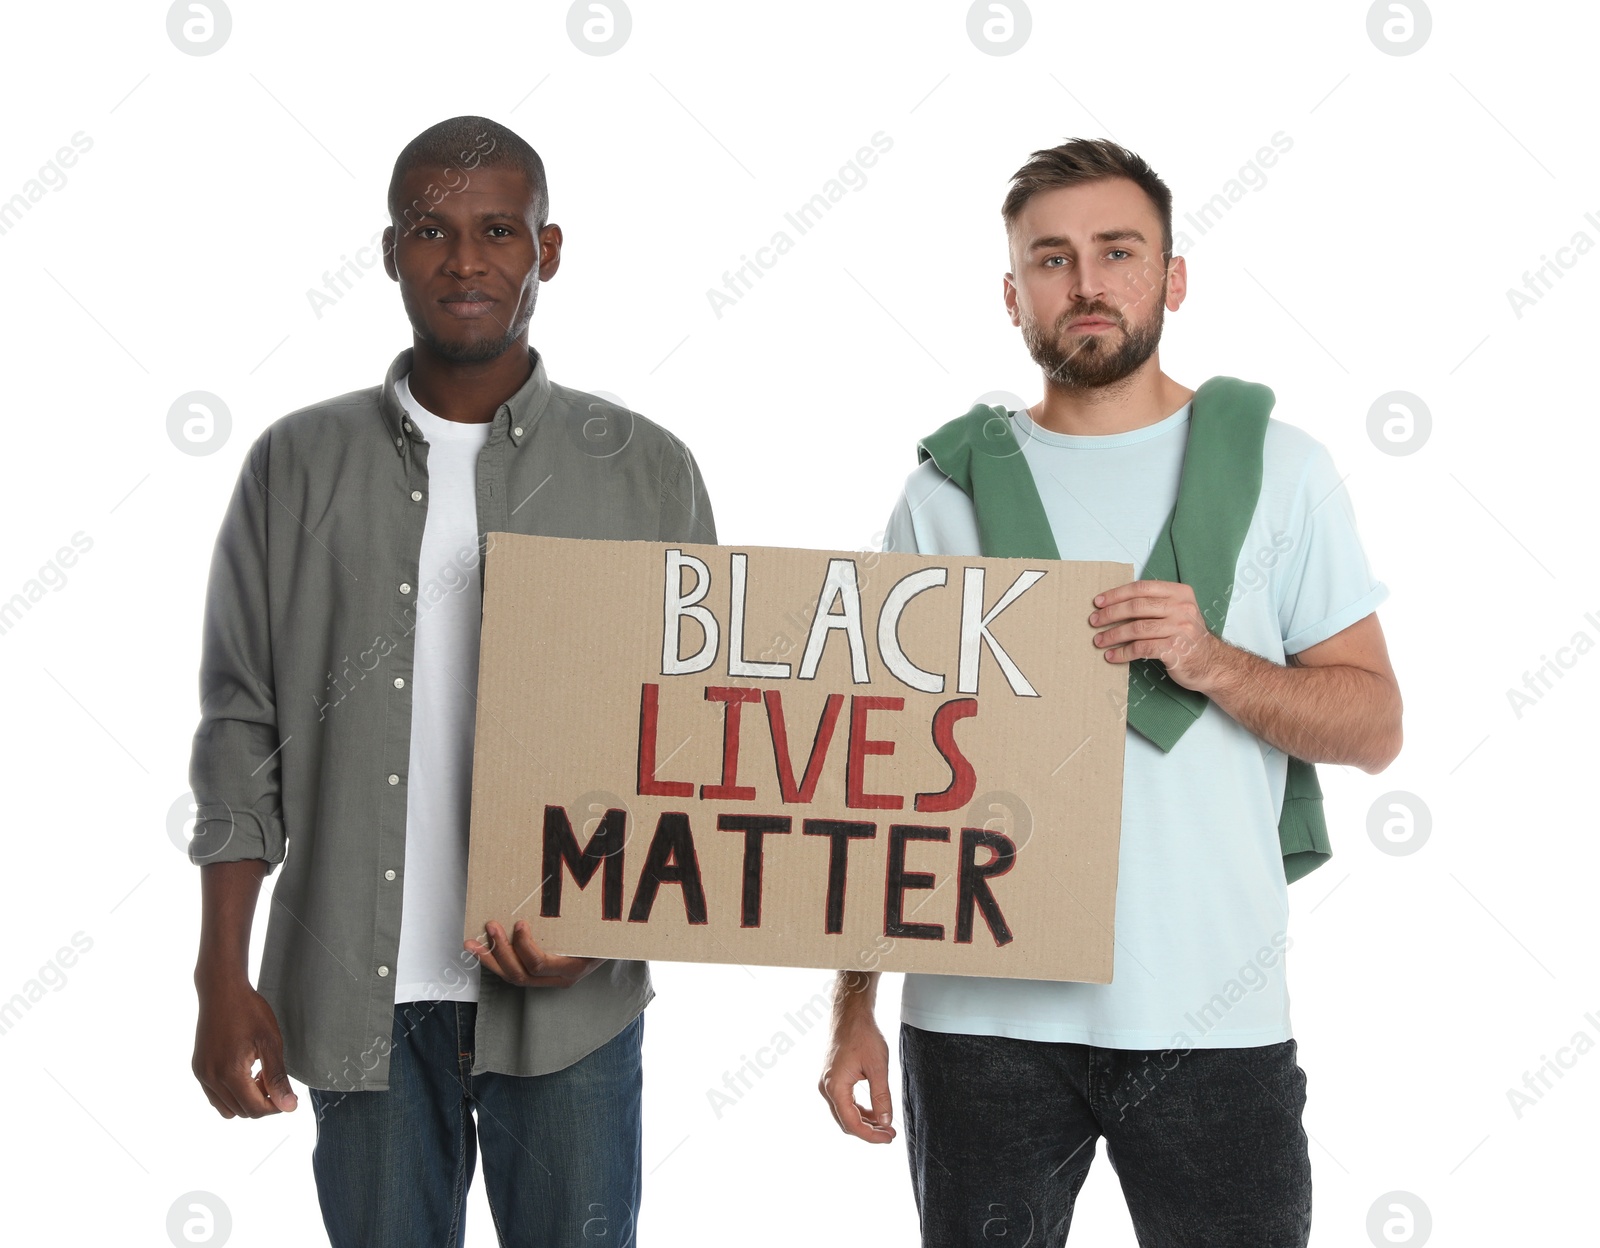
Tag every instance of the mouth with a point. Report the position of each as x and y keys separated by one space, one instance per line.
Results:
x=1090 y=325
x=468 y=305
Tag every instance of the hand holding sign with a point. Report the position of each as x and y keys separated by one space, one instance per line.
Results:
x=1157 y=620
x=520 y=961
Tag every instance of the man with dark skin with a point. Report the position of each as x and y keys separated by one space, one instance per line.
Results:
x=554 y=1075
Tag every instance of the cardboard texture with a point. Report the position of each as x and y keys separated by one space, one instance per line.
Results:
x=798 y=758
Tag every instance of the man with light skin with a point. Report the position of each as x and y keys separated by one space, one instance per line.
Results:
x=338 y=685
x=1185 y=1062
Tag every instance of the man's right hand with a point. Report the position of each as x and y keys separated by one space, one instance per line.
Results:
x=857 y=1051
x=236 y=1029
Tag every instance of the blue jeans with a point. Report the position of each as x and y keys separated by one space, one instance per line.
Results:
x=1206 y=1143
x=560 y=1151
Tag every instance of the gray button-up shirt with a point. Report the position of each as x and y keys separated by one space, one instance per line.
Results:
x=304 y=739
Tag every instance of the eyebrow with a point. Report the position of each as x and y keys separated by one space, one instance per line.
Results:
x=1104 y=236
x=495 y=215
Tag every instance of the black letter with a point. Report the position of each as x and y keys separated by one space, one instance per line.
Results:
x=561 y=848
x=842 y=832
x=671 y=860
x=973 y=885
x=754 y=828
x=899 y=879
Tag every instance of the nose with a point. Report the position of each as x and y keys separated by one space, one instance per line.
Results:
x=1088 y=280
x=465 y=259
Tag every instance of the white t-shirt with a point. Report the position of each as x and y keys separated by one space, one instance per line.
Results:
x=1202 y=906
x=431 y=964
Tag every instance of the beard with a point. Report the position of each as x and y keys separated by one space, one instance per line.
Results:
x=1092 y=361
x=475 y=350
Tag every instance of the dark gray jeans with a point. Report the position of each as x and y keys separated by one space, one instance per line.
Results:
x=1206 y=1143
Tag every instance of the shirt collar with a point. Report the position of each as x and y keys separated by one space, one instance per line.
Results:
x=514 y=419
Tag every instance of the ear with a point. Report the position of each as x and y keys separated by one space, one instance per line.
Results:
x=549 y=251
x=388 y=254
x=1010 y=296
x=1177 y=283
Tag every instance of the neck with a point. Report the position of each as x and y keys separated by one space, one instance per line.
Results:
x=468 y=393
x=1142 y=398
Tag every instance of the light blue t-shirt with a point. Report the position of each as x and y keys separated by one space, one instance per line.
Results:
x=1202 y=907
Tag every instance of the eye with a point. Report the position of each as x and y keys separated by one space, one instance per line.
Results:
x=1120 y=251
x=506 y=228
x=1050 y=262
x=423 y=230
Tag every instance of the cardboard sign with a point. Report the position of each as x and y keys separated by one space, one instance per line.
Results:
x=798 y=758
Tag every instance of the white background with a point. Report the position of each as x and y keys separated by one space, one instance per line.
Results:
x=1377 y=257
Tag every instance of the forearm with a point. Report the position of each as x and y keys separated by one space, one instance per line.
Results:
x=1324 y=714
x=853 y=992
x=228 y=892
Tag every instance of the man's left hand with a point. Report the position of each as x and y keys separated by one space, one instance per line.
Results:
x=519 y=960
x=1158 y=620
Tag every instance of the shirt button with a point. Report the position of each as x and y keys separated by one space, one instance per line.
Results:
x=517 y=431
x=399 y=682
x=388 y=875
x=416 y=496
x=405 y=587
x=406 y=425
x=383 y=972
x=399 y=441
x=393 y=779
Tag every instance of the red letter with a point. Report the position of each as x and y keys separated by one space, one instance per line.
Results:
x=819 y=746
x=733 y=700
x=649 y=697
x=860 y=746
x=963 y=780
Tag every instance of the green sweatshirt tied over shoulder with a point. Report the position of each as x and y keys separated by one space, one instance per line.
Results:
x=1199 y=546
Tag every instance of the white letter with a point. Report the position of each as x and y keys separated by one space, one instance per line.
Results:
x=677 y=605
x=975 y=627
x=839 y=583
x=905 y=589
x=737 y=666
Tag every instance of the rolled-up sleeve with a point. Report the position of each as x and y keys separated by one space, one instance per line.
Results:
x=234 y=763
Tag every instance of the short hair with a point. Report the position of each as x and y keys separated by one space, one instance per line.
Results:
x=1087 y=160
x=470 y=143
